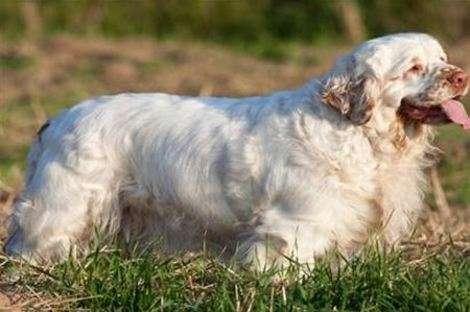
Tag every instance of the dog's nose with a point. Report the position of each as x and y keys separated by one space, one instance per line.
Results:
x=458 y=80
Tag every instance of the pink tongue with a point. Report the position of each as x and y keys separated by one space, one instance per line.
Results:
x=456 y=112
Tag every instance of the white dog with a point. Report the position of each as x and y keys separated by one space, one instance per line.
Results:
x=294 y=173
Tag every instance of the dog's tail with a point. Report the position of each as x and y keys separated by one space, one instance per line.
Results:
x=36 y=151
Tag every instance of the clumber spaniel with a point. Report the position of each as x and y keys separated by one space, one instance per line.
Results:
x=295 y=173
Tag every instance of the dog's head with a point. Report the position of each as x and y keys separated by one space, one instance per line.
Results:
x=406 y=73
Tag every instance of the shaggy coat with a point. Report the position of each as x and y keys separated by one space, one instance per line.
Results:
x=293 y=173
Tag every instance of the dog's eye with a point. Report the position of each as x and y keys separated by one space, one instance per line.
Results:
x=416 y=68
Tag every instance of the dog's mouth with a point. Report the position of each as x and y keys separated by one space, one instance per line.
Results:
x=449 y=111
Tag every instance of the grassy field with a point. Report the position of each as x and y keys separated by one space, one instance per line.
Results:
x=105 y=280
x=38 y=79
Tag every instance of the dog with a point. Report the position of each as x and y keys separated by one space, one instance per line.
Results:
x=294 y=173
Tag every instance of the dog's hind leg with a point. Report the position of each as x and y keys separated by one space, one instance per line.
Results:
x=65 y=196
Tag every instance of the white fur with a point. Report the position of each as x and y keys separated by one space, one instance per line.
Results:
x=259 y=177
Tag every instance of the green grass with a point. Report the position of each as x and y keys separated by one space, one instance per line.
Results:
x=107 y=280
x=454 y=167
x=15 y=62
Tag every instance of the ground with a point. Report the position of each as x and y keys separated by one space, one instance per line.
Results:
x=38 y=79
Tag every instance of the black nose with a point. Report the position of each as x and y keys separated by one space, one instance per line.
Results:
x=458 y=80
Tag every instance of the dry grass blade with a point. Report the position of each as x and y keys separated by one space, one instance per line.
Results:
x=439 y=194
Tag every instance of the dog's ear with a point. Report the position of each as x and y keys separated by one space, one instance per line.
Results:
x=354 y=85
x=354 y=98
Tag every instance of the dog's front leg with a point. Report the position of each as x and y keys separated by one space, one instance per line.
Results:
x=282 y=239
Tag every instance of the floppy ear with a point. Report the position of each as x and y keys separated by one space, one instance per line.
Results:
x=354 y=98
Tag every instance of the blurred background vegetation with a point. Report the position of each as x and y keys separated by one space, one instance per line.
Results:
x=260 y=26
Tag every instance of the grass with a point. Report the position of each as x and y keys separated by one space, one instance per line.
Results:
x=455 y=167
x=16 y=62
x=373 y=281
